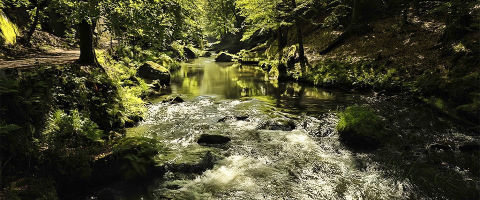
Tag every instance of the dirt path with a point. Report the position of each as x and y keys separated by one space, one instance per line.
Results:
x=56 y=56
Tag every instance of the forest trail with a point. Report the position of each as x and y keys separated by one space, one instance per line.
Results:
x=55 y=57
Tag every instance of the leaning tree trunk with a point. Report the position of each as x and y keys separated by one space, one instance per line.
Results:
x=87 y=50
x=33 y=27
x=358 y=22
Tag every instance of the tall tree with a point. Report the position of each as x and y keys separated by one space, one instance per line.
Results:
x=298 y=26
x=87 y=49
x=85 y=13
x=221 y=16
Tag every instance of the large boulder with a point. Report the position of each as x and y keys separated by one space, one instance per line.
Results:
x=189 y=53
x=224 y=57
x=360 y=128
x=213 y=139
x=174 y=100
x=154 y=71
x=207 y=54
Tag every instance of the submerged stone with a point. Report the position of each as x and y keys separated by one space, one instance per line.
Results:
x=240 y=118
x=154 y=71
x=279 y=124
x=360 y=128
x=213 y=139
x=203 y=163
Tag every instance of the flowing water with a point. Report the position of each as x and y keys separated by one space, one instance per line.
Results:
x=300 y=155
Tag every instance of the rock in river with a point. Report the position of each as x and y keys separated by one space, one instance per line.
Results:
x=177 y=100
x=189 y=53
x=213 y=139
x=154 y=71
x=279 y=124
x=240 y=118
x=207 y=54
x=224 y=57
x=174 y=100
x=360 y=128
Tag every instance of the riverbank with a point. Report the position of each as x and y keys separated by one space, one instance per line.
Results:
x=392 y=55
x=71 y=120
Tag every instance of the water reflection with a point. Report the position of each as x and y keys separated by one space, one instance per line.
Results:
x=203 y=76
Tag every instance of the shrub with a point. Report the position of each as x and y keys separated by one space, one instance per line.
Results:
x=8 y=30
x=70 y=130
x=359 y=74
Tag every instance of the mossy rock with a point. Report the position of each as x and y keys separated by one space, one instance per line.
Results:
x=189 y=53
x=360 y=128
x=131 y=158
x=224 y=57
x=154 y=71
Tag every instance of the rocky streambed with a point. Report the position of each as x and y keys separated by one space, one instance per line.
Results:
x=240 y=135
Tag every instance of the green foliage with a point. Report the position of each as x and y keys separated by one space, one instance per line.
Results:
x=131 y=89
x=68 y=141
x=261 y=15
x=76 y=11
x=360 y=74
x=8 y=31
x=136 y=56
x=71 y=129
x=338 y=15
x=268 y=15
x=153 y=23
x=221 y=17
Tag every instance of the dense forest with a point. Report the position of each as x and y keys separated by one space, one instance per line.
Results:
x=239 y=99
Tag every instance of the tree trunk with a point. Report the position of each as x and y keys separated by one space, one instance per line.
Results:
x=282 y=68
x=87 y=50
x=301 y=51
x=33 y=27
x=356 y=13
x=280 y=43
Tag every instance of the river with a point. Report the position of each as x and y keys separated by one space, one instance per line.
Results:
x=306 y=162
